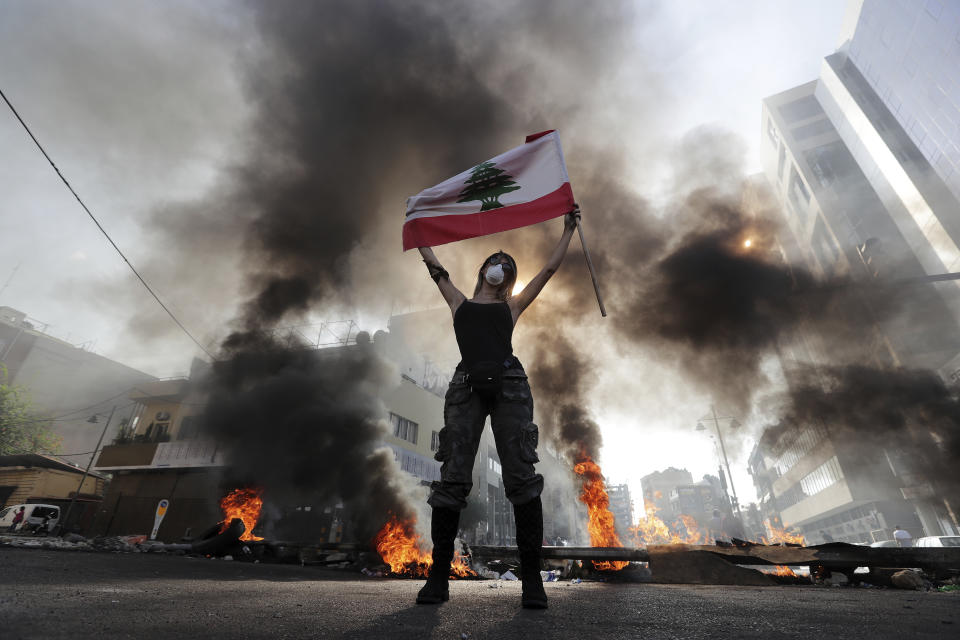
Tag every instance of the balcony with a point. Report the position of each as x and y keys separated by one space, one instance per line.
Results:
x=180 y=454
x=120 y=456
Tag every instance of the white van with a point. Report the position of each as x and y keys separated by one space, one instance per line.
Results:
x=33 y=517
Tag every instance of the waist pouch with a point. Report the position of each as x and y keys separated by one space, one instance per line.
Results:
x=486 y=376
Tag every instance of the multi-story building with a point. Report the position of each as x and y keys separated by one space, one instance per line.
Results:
x=864 y=190
x=819 y=484
x=697 y=501
x=864 y=163
x=657 y=487
x=66 y=382
x=159 y=455
x=621 y=506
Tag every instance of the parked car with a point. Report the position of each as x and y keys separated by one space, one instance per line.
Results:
x=938 y=541
x=884 y=543
x=34 y=516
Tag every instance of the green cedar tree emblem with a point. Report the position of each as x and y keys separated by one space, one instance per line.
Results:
x=486 y=184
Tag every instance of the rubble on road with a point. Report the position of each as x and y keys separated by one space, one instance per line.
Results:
x=908 y=579
x=73 y=543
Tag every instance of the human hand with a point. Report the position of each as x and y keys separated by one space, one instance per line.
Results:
x=572 y=219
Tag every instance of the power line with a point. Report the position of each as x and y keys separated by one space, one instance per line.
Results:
x=64 y=418
x=102 y=230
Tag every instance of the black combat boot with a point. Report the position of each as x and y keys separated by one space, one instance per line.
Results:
x=529 y=519
x=443 y=531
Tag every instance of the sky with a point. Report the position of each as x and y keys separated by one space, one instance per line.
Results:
x=143 y=106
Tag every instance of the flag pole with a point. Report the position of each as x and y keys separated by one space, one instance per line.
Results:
x=593 y=274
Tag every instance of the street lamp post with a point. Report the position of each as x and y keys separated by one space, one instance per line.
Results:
x=723 y=450
x=73 y=500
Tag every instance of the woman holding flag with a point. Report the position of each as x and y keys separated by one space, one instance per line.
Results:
x=490 y=381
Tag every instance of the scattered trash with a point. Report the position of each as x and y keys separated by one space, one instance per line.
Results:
x=950 y=587
x=228 y=557
x=836 y=579
x=576 y=581
x=509 y=575
x=489 y=574
x=372 y=573
x=548 y=576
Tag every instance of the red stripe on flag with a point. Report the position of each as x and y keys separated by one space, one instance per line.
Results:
x=437 y=230
x=534 y=136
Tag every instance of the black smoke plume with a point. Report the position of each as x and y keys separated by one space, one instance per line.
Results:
x=560 y=376
x=908 y=413
x=358 y=104
x=303 y=425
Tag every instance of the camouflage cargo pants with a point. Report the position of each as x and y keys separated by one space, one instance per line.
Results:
x=511 y=415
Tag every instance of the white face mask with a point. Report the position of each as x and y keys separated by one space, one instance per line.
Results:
x=495 y=275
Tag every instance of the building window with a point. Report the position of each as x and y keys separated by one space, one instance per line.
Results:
x=802 y=109
x=797 y=194
x=816 y=128
x=781 y=161
x=189 y=428
x=797 y=448
x=772 y=132
x=434 y=440
x=826 y=475
x=404 y=429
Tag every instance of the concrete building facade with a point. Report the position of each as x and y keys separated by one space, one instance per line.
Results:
x=621 y=506
x=863 y=162
x=65 y=382
x=657 y=487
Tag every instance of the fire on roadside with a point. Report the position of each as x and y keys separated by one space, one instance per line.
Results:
x=401 y=548
x=652 y=530
x=600 y=519
x=778 y=535
x=244 y=504
x=782 y=570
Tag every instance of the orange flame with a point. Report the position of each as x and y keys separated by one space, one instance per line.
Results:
x=777 y=535
x=782 y=570
x=653 y=530
x=401 y=548
x=600 y=520
x=244 y=504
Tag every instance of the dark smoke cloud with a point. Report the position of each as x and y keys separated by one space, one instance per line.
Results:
x=560 y=375
x=358 y=104
x=303 y=425
x=908 y=412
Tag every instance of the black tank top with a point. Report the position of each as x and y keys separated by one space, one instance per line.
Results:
x=484 y=332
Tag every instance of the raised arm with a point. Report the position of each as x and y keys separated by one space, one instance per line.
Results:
x=450 y=293
x=530 y=292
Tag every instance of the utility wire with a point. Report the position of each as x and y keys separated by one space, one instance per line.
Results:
x=102 y=230
x=63 y=418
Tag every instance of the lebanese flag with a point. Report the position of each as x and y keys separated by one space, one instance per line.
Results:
x=524 y=186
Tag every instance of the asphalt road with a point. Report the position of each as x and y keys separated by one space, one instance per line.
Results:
x=57 y=594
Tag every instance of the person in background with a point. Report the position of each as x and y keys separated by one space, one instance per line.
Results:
x=902 y=536
x=17 y=519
